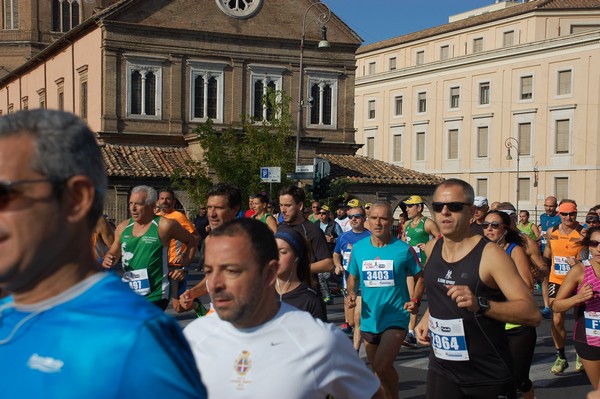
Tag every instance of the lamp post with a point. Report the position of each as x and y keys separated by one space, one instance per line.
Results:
x=509 y=143
x=322 y=20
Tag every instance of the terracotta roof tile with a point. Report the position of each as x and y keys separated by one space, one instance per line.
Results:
x=144 y=161
x=482 y=19
x=360 y=169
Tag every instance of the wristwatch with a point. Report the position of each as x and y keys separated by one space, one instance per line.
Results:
x=484 y=305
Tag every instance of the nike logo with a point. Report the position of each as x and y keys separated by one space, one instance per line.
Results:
x=45 y=364
x=276 y=343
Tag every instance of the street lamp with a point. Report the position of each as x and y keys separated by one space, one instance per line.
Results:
x=509 y=143
x=322 y=19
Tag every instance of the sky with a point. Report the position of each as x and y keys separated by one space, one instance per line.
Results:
x=376 y=20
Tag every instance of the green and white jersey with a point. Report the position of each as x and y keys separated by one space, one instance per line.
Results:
x=145 y=262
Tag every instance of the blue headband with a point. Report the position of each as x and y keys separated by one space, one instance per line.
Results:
x=298 y=247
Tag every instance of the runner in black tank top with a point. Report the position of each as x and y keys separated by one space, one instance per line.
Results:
x=489 y=358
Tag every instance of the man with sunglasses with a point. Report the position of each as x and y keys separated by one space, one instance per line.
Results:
x=378 y=267
x=315 y=207
x=562 y=251
x=70 y=329
x=473 y=289
x=481 y=209
x=548 y=219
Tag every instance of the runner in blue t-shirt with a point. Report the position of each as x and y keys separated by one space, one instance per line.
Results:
x=379 y=267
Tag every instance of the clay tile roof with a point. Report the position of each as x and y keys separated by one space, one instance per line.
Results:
x=360 y=169
x=483 y=19
x=144 y=161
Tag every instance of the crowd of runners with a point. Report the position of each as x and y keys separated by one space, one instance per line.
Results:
x=71 y=326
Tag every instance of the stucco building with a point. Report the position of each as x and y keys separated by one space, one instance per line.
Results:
x=445 y=100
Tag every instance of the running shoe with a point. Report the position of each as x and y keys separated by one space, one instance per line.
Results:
x=328 y=300
x=578 y=365
x=345 y=327
x=410 y=340
x=559 y=366
x=546 y=313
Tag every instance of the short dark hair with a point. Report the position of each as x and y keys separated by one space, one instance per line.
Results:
x=260 y=235
x=524 y=211
x=167 y=190
x=262 y=197
x=296 y=192
x=233 y=194
x=466 y=187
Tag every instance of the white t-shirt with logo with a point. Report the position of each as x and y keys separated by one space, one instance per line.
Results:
x=291 y=356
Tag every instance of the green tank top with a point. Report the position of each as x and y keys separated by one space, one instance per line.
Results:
x=527 y=229
x=145 y=262
x=417 y=235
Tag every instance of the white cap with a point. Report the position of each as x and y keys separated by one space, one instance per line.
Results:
x=480 y=201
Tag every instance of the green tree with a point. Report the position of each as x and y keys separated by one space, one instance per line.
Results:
x=236 y=154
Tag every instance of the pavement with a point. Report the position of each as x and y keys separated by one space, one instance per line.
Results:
x=412 y=364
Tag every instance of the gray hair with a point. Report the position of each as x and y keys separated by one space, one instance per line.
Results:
x=151 y=194
x=466 y=188
x=64 y=146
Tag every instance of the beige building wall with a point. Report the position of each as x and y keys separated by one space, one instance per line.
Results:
x=62 y=74
x=452 y=131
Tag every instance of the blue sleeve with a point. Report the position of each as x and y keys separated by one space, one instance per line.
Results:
x=338 y=246
x=160 y=364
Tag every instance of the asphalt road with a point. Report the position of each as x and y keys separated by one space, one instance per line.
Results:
x=411 y=364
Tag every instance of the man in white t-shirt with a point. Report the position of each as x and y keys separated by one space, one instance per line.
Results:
x=240 y=348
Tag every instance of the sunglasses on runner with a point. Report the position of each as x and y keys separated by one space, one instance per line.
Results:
x=356 y=216
x=495 y=225
x=7 y=191
x=452 y=206
x=322 y=213
x=594 y=243
x=565 y=214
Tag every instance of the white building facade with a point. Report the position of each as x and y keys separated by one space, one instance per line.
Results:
x=448 y=99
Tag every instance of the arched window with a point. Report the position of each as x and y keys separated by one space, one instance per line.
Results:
x=65 y=14
x=323 y=86
x=199 y=97
x=206 y=90
x=136 y=93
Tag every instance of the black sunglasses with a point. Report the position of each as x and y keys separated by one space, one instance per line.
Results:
x=7 y=190
x=594 y=243
x=565 y=214
x=495 y=225
x=322 y=213
x=356 y=216
x=452 y=206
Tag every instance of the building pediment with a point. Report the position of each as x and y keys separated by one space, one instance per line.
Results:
x=272 y=20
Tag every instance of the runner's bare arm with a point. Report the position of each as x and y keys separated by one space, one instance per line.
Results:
x=566 y=298
x=114 y=253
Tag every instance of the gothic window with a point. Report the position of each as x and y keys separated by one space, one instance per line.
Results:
x=323 y=88
x=206 y=90
x=144 y=89
x=65 y=14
